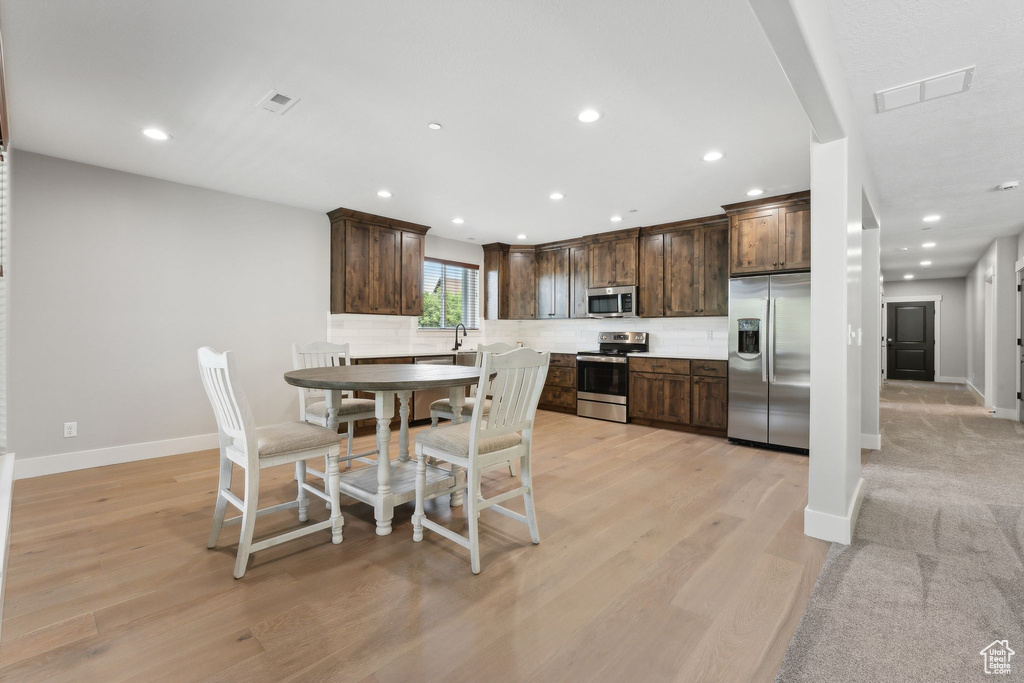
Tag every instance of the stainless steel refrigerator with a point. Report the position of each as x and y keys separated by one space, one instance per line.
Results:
x=770 y=359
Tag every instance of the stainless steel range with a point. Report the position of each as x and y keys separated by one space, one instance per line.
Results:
x=602 y=376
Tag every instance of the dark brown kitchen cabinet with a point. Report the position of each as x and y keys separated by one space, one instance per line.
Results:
x=659 y=397
x=770 y=235
x=559 y=391
x=710 y=402
x=613 y=261
x=552 y=283
x=684 y=268
x=579 y=280
x=522 y=285
x=376 y=264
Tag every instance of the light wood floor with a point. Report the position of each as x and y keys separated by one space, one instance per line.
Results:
x=664 y=556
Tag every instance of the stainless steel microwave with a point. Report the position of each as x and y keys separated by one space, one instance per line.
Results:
x=611 y=302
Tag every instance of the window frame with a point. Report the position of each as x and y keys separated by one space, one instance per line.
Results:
x=445 y=263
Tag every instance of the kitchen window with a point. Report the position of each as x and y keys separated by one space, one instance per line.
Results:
x=450 y=295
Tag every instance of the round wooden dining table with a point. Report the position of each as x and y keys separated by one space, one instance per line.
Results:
x=391 y=483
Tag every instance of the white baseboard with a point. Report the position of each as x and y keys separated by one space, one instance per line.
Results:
x=975 y=389
x=872 y=441
x=951 y=380
x=1003 y=413
x=829 y=527
x=25 y=468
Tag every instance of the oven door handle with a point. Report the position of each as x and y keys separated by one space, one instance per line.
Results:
x=600 y=359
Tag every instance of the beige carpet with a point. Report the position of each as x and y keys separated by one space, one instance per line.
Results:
x=936 y=569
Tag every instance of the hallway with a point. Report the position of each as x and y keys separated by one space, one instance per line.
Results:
x=936 y=569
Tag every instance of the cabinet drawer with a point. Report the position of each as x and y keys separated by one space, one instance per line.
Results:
x=710 y=368
x=671 y=366
x=561 y=377
x=558 y=397
x=563 y=360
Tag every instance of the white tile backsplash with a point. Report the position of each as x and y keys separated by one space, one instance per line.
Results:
x=692 y=337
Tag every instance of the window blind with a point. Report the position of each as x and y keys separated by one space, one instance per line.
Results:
x=451 y=294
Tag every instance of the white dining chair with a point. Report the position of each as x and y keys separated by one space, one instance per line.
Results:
x=313 y=407
x=254 y=449
x=442 y=408
x=497 y=432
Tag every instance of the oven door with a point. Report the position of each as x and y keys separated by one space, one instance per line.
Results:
x=602 y=380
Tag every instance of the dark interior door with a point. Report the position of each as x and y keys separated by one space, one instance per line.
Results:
x=910 y=340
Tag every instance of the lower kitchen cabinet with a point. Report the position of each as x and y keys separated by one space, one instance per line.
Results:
x=559 y=391
x=710 y=402
x=679 y=393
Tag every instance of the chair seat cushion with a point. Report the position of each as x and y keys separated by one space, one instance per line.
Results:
x=454 y=439
x=445 y=405
x=288 y=437
x=349 y=406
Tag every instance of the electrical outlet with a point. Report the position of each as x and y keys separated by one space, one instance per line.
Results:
x=70 y=429
x=710 y=335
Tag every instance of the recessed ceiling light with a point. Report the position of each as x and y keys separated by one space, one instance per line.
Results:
x=589 y=115
x=556 y=195
x=926 y=263
x=383 y=193
x=931 y=218
x=713 y=155
x=928 y=245
x=756 y=192
x=902 y=249
x=520 y=236
x=908 y=276
x=458 y=221
x=616 y=219
x=155 y=133
x=434 y=126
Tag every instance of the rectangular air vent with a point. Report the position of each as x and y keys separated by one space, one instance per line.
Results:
x=927 y=89
x=277 y=103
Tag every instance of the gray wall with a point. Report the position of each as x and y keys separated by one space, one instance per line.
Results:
x=998 y=259
x=117 y=279
x=953 y=335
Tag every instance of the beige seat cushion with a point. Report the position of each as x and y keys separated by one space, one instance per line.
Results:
x=454 y=439
x=445 y=405
x=288 y=437
x=350 y=406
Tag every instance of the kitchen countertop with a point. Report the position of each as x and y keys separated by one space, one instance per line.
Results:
x=435 y=354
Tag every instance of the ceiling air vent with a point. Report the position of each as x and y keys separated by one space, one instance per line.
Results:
x=920 y=91
x=277 y=103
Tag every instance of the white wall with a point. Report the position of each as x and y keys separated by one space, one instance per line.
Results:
x=953 y=335
x=998 y=260
x=117 y=279
x=871 y=307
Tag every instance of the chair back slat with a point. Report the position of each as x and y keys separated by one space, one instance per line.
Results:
x=317 y=355
x=481 y=350
x=514 y=392
x=230 y=407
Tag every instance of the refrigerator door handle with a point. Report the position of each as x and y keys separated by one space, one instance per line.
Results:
x=771 y=338
x=764 y=355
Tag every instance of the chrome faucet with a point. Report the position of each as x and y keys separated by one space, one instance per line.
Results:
x=457 y=342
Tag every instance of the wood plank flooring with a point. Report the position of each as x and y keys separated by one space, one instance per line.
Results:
x=664 y=556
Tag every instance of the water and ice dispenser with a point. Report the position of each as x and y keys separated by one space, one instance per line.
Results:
x=749 y=341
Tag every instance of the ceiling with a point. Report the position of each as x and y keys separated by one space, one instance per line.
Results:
x=505 y=79
x=944 y=156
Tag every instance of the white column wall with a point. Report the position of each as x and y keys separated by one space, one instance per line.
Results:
x=871 y=353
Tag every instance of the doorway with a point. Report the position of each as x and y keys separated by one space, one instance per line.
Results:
x=910 y=340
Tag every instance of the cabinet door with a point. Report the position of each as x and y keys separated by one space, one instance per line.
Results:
x=602 y=264
x=795 y=237
x=676 y=405
x=579 y=281
x=646 y=395
x=385 y=270
x=495 y=285
x=710 y=402
x=412 y=274
x=552 y=284
x=754 y=242
x=714 y=281
x=522 y=286
x=624 y=262
x=338 y=267
x=651 y=290
x=358 y=239
x=682 y=272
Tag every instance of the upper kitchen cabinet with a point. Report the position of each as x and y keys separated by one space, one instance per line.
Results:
x=553 y=283
x=376 y=264
x=770 y=235
x=612 y=259
x=684 y=268
x=510 y=282
x=579 y=280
